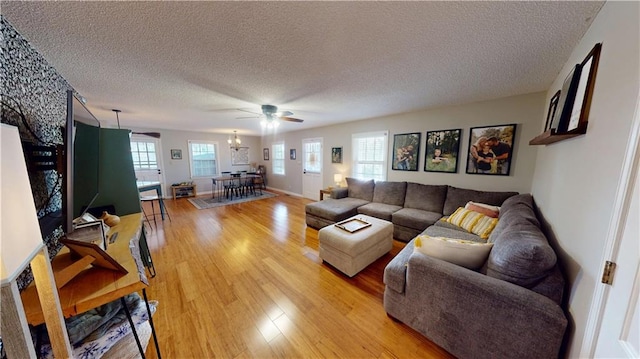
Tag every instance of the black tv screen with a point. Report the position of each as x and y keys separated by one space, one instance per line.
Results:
x=83 y=160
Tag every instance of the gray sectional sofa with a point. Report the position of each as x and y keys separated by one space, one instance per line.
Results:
x=411 y=207
x=509 y=308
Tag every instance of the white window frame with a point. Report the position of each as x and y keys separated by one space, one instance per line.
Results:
x=216 y=155
x=276 y=161
x=380 y=163
x=136 y=167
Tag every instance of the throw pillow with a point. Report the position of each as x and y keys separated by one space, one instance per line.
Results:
x=464 y=253
x=484 y=209
x=474 y=222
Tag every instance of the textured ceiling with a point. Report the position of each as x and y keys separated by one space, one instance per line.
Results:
x=191 y=65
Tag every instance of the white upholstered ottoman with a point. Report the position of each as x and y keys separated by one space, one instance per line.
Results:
x=352 y=252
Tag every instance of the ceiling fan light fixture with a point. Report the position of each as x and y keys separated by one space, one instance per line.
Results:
x=235 y=143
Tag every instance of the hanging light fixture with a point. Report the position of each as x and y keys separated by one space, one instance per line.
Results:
x=235 y=143
x=117 y=116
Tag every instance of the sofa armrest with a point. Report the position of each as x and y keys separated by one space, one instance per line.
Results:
x=473 y=315
x=340 y=192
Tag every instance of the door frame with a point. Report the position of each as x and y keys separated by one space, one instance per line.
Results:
x=624 y=193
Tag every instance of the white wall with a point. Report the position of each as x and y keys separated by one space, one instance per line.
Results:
x=576 y=180
x=526 y=111
x=178 y=170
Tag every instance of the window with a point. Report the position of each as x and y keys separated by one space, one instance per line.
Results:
x=143 y=153
x=278 y=158
x=370 y=155
x=203 y=157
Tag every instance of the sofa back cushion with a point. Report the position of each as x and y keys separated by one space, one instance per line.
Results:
x=521 y=253
x=458 y=197
x=425 y=197
x=360 y=189
x=390 y=192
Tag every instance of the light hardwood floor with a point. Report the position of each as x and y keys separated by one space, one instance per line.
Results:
x=245 y=281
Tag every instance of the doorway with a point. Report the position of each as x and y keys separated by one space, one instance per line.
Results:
x=147 y=159
x=311 y=168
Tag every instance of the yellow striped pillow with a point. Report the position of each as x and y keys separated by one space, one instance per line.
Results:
x=474 y=222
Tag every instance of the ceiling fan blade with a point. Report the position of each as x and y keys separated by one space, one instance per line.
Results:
x=284 y=113
x=247 y=117
x=291 y=119
x=255 y=113
x=150 y=134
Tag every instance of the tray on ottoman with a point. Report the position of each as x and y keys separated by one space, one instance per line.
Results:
x=351 y=252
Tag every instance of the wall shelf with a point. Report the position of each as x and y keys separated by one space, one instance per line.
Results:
x=551 y=136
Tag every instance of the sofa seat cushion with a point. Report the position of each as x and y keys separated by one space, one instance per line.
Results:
x=335 y=209
x=448 y=230
x=379 y=210
x=390 y=193
x=458 y=197
x=415 y=218
x=426 y=197
x=360 y=189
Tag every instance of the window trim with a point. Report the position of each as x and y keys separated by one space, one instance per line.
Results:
x=274 y=159
x=216 y=155
x=385 y=152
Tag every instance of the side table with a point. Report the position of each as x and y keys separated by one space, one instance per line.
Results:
x=323 y=192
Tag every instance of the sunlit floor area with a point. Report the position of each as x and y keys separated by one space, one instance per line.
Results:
x=245 y=281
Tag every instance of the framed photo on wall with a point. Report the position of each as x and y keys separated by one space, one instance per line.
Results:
x=406 y=149
x=442 y=151
x=176 y=154
x=490 y=150
x=265 y=154
x=336 y=154
x=292 y=154
x=240 y=156
x=553 y=106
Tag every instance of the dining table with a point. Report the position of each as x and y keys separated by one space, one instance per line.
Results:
x=218 y=183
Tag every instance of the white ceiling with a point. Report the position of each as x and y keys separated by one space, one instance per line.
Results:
x=191 y=65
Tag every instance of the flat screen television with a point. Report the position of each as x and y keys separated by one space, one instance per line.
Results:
x=82 y=161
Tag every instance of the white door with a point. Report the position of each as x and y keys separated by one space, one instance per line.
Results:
x=619 y=335
x=311 y=168
x=147 y=162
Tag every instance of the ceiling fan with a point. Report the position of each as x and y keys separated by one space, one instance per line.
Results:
x=271 y=117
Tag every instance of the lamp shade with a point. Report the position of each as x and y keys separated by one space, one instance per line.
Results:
x=337 y=178
x=20 y=238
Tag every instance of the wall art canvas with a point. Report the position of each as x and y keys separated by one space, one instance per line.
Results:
x=442 y=151
x=490 y=150
x=406 y=148
x=336 y=154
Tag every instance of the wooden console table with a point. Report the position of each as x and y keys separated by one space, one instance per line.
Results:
x=97 y=286
x=323 y=192
x=184 y=191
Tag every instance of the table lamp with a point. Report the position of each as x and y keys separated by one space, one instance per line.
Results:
x=21 y=244
x=337 y=178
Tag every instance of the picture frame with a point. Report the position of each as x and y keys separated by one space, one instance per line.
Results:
x=102 y=258
x=443 y=149
x=490 y=150
x=336 y=154
x=406 y=151
x=553 y=106
x=566 y=100
x=176 y=154
x=240 y=156
x=584 y=92
x=265 y=154
x=292 y=154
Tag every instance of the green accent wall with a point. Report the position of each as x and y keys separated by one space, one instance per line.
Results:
x=117 y=177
